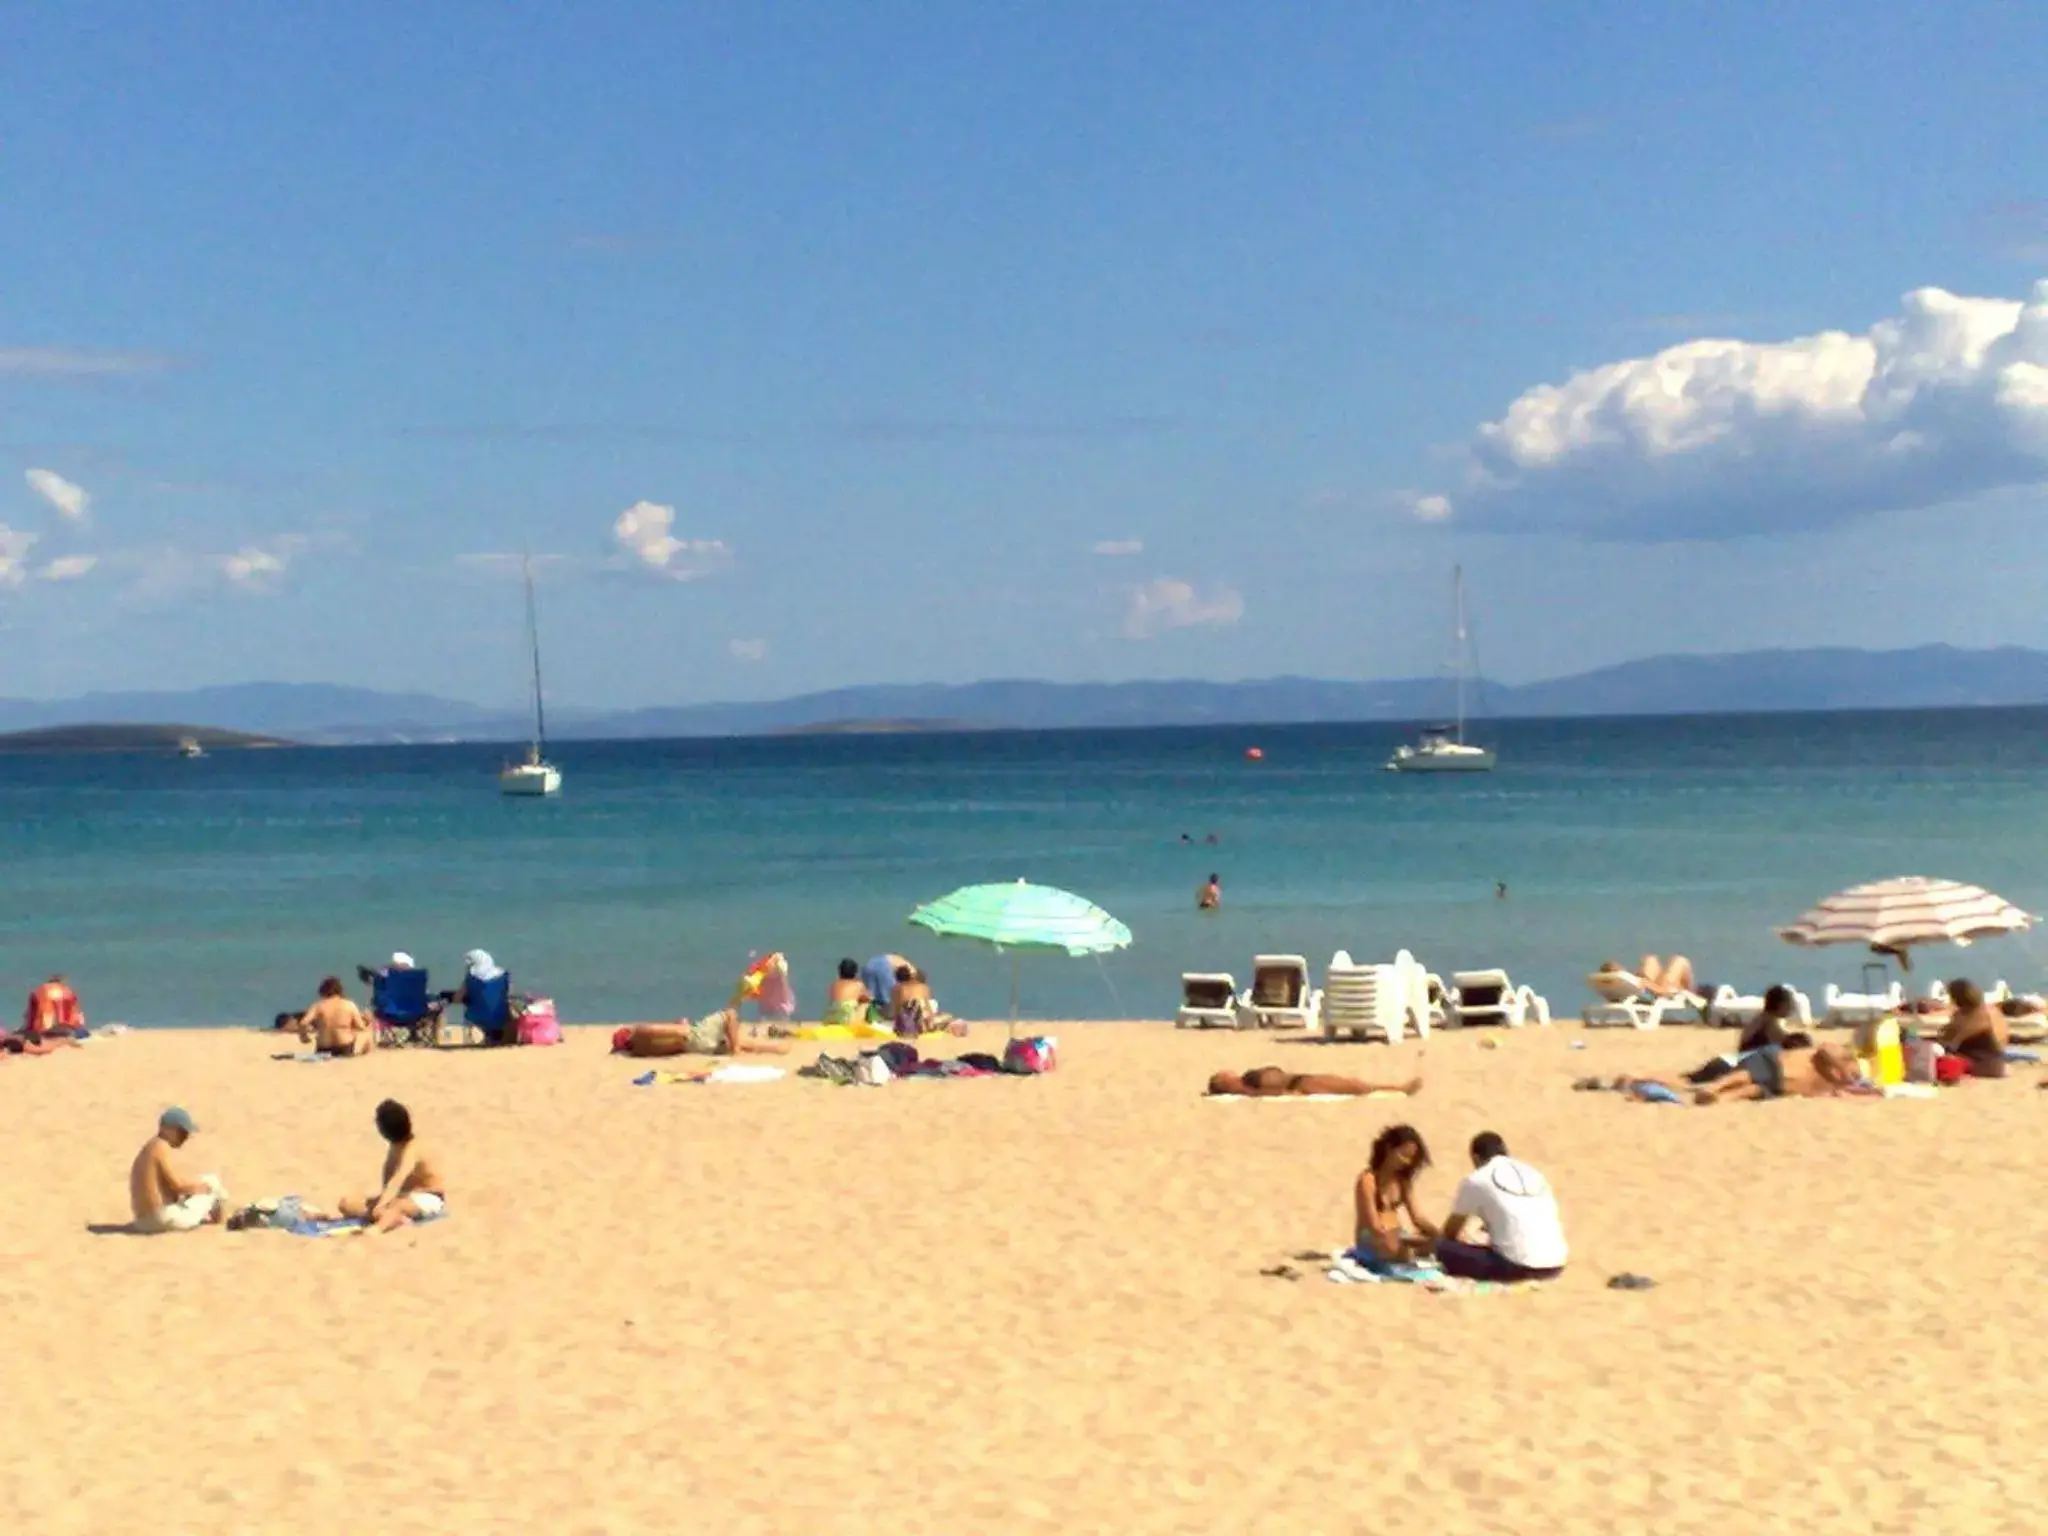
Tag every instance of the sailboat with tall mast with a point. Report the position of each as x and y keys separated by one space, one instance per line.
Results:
x=535 y=776
x=1443 y=748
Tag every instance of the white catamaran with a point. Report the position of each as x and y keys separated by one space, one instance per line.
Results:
x=1443 y=748
x=535 y=776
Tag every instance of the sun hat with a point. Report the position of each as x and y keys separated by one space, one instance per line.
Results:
x=178 y=1120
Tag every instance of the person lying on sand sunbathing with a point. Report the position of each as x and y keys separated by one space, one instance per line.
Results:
x=412 y=1189
x=716 y=1034
x=1976 y=1032
x=336 y=1026
x=1384 y=1194
x=1524 y=1234
x=1274 y=1083
x=161 y=1198
x=1772 y=1072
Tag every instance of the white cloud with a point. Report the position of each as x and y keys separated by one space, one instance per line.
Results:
x=1431 y=509
x=1718 y=438
x=1113 y=548
x=645 y=532
x=253 y=566
x=68 y=499
x=748 y=650
x=1170 y=603
x=68 y=567
x=15 y=543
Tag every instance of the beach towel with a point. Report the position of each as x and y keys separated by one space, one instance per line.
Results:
x=862 y=1031
x=1346 y=1269
x=731 y=1072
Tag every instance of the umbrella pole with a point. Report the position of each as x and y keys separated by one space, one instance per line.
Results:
x=1016 y=987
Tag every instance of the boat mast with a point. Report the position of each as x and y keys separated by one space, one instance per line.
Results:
x=1458 y=606
x=540 y=719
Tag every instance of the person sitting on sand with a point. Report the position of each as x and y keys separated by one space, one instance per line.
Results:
x=1976 y=1032
x=1384 y=1195
x=411 y=1189
x=1524 y=1234
x=161 y=1198
x=1210 y=896
x=913 y=1009
x=1275 y=1083
x=846 y=1000
x=52 y=1014
x=716 y=1034
x=336 y=1026
x=1769 y=1026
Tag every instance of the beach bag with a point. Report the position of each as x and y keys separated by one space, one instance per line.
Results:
x=872 y=1071
x=899 y=1057
x=1031 y=1055
x=1920 y=1059
x=539 y=1026
x=1950 y=1069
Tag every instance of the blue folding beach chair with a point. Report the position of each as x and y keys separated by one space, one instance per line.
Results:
x=487 y=1007
x=402 y=1007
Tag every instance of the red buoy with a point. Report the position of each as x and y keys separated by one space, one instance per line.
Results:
x=1255 y=754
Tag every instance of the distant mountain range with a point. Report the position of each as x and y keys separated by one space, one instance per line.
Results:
x=1934 y=676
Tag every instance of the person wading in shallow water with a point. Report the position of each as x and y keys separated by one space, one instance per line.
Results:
x=1210 y=896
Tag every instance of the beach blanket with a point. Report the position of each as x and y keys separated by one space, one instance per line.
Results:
x=731 y=1072
x=1344 y=1269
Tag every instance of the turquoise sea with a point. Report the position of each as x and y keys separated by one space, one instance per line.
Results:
x=221 y=890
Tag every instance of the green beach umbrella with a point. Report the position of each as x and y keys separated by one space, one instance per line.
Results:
x=1019 y=916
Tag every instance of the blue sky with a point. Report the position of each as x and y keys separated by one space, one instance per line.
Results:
x=874 y=324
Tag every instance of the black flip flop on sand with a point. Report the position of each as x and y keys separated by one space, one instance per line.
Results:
x=1626 y=1282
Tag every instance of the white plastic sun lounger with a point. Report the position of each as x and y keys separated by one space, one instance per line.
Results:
x=1626 y=1002
x=1364 y=1002
x=1998 y=992
x=1861 y=1007
x=1732 y=1009
x=1208 y=1000
x=1282 y=994
x=1489 y=997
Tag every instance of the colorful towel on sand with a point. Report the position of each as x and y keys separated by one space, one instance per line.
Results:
x=1345 y=1269
x=733 y=1072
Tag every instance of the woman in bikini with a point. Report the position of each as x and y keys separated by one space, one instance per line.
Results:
x=1385 y=1195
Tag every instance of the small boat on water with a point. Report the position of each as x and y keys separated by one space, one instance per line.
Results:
x=535 y=776
x=188 y=746
x=1443 y=748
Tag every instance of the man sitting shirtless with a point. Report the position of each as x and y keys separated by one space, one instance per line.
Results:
x=163 y=1199
x=334 y=1025
x=412 y=1189
x=1274 y=1083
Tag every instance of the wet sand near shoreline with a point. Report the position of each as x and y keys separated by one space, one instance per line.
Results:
x=1015 y=1304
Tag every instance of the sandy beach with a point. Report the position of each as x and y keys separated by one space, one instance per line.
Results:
x=1014 y=1304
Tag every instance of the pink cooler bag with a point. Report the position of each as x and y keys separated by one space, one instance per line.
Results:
x=538 y=1025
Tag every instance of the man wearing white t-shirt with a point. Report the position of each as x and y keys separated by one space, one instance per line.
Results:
x=1524 y=1236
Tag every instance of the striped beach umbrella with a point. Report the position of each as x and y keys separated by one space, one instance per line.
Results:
x=1891 y=915
x=1018 y=916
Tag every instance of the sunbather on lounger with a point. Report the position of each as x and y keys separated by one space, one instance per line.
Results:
x=716 y=1034
x=1666 y=978
x=1273 y=1083
x=412 y=1189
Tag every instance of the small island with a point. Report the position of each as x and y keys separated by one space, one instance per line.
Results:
x=165 y=740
